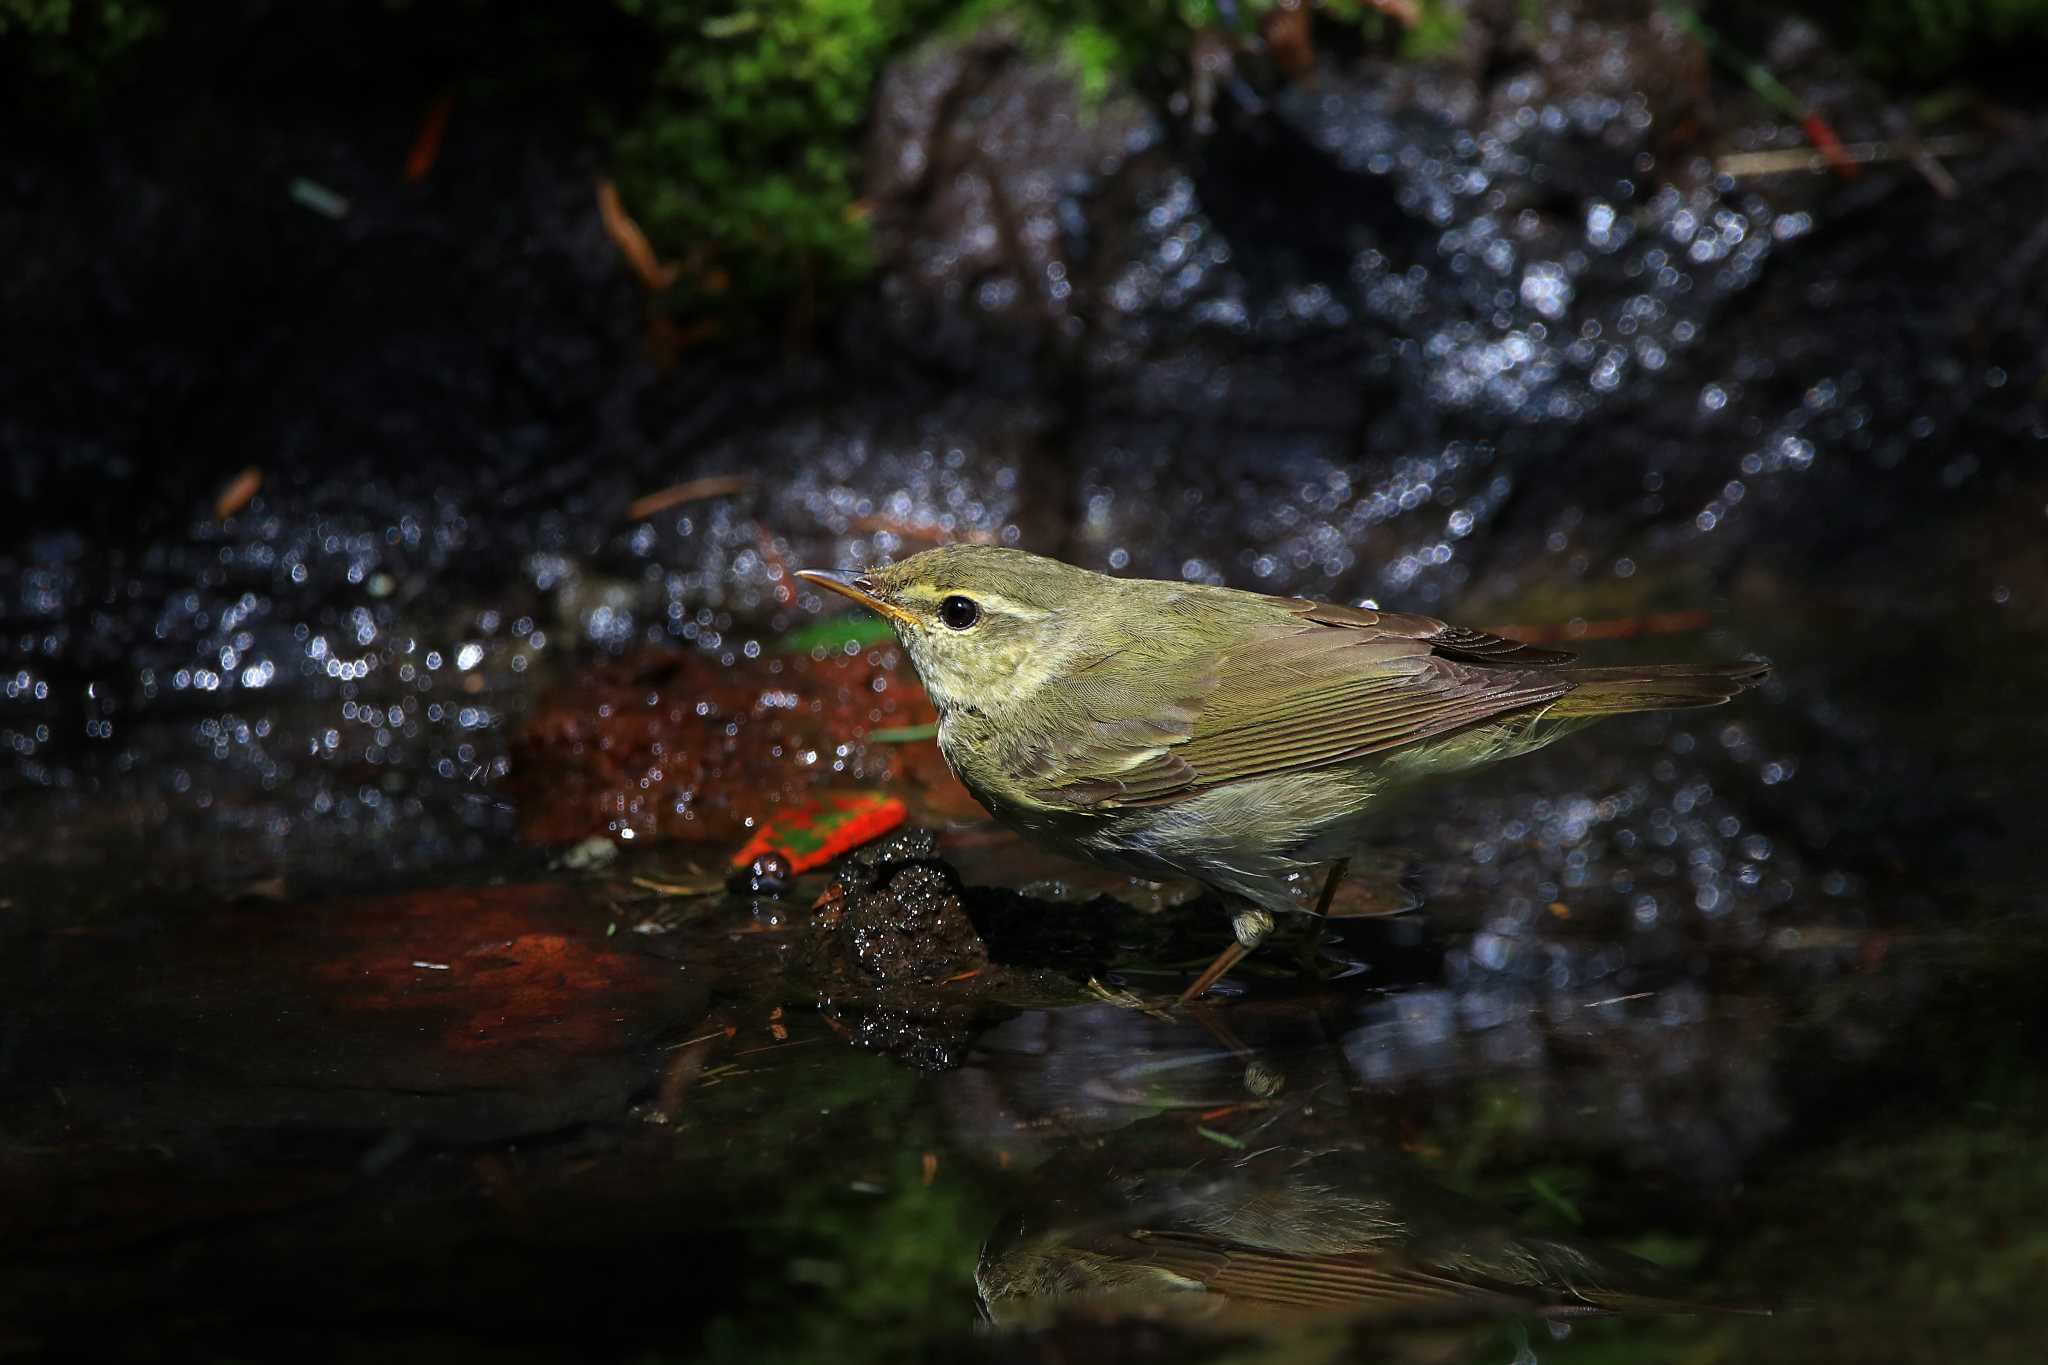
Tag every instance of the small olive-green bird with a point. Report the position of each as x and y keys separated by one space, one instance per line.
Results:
x=1182 y=730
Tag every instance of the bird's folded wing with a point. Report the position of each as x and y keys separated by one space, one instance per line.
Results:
x=1317 y=686
x=1368 y=1281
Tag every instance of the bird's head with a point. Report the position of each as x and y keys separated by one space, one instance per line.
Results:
x=983 y=625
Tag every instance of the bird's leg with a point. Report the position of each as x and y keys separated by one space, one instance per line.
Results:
x=1251 y=925
x=1312 y=940
x=1330 y=887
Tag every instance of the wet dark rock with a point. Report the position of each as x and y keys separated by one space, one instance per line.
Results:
x=871 y=862
x=898 y=918
x=986 y=173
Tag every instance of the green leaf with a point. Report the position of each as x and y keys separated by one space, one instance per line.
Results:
x=904 y=734
x=835 y=634
x=1551 y=1195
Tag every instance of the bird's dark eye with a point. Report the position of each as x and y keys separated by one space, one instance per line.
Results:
x=959 y=612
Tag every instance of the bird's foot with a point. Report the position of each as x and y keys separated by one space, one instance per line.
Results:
x=1252 y=926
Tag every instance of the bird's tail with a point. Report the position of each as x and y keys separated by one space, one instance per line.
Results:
x=1653 y=687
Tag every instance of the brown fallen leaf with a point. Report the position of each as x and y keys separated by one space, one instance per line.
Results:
x=632 y=243
x=236 y=495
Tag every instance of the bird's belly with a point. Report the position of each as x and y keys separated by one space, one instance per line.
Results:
x=1252 y=838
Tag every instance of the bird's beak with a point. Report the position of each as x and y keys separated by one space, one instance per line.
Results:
x=859 y=589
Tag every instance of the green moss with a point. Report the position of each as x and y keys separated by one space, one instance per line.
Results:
x=119 y=22
x=742 y=161
x=863 y=1278
x=71 y=44
x=863 y=1247
x=1438 y=32
x=1094 y=56
x=1099 y=44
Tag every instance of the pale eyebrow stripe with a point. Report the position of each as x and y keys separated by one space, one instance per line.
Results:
x=1009 y=607
x=990 y=600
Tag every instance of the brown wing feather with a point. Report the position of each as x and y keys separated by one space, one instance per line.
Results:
x=1331 y=685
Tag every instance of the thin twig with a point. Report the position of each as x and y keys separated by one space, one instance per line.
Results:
x=774 y=1046
x=1789 y=160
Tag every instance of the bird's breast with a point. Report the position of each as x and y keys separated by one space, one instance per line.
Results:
x=999 y=766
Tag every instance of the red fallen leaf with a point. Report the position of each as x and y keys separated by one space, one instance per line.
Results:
x=1822 y=135
x=813 y=833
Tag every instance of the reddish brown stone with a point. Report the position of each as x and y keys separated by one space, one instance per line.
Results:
x=463 y=1013
x=487 y=976
x=674 y=746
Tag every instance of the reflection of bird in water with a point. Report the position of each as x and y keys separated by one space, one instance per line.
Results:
x=1161 y=1221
